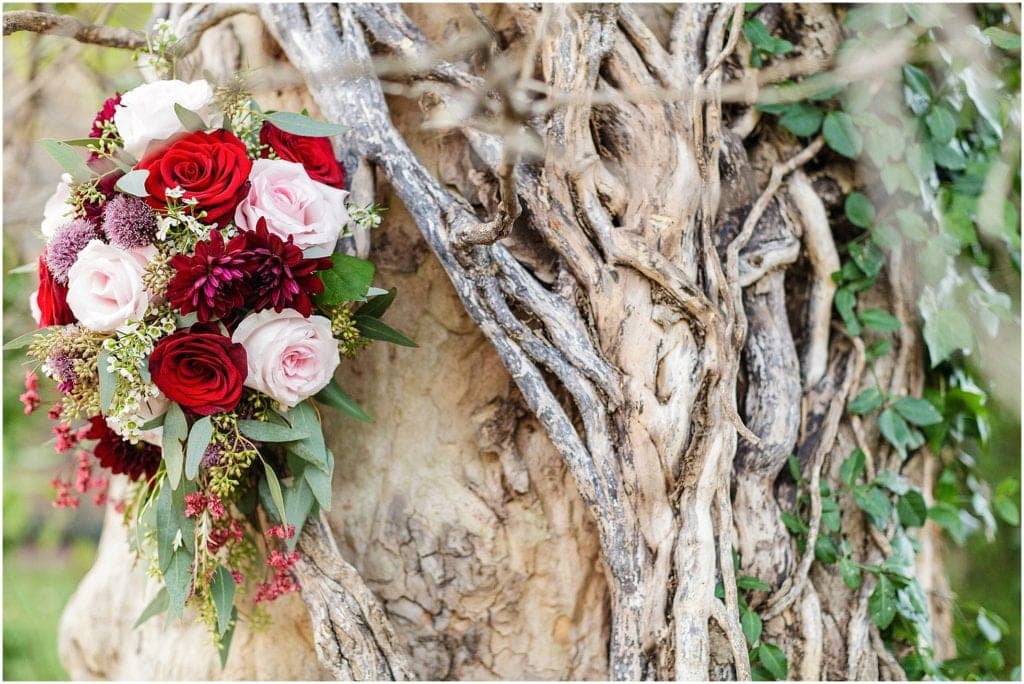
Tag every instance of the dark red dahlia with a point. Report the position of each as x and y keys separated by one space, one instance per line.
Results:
x=104 y=115
x=281 y=276
x=212 y=282
x=121 y=457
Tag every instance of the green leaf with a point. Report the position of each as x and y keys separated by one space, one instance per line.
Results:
x=1003 y=39
x=175 y=432
x=850 y=572
x=918 y=90
x=263 y=431
x=846 y=302
x=166 y=527
x=189 y=119
x=222 y=589
x=774 y=660
x=875 y=503
x=866 y=402
x=879 y=320
x=757 y=33
x=178 y=580
x=376 y=307
x=825 y=550
x=868 y=257
x=107 y=380
x=842 y=135
x=133 y=183
x=225 y=639
x=1006 y=508
x=334 y=396
x=158 y=605
x=298 y=502
x=275 y=491
x=375 y=329
x=917 y=411
x=752 y=583
x=941 y=124
x=22 y=341
x=298 y=124
x=879 y=349
x=946 y=331
x=859 y=210
x=319 y=482
x=912 y=509
x=802 y=119
x=750 y=622
x=894 y=429
x=347 y=280
x=68 y=158
x=851 y=469
x=882 y=603
x=893 y=481
x=198 y=439
x=947 y=516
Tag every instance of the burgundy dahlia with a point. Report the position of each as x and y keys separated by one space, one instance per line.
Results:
x=281 y=275
x=67 y=242
x=212 y=282
x=121 y=457
x=104 y=115
x=129 y=222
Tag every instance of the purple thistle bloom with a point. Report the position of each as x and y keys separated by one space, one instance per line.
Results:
x=129 y=222
x=67 y=242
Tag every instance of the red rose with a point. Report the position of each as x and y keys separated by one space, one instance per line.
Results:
x=315 y=154
x=200 y=369
x=211 y=168
x=52 y=298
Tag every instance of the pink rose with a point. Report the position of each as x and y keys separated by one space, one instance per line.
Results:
x=105 y=287
x=293 y=204
x=290 y=357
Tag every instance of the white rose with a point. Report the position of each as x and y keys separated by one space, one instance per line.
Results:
x=105 y=285
x=293 y=204
x=147 y=113
x=57 y=210
x=289 y=357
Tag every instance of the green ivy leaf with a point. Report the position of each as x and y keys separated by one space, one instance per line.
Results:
x=882 y=602
x=867 y=401
x=222 y=589
x=299 y=124
x=879 y=320
x=912 y=509
x=918 y=90
x=850 y=573
x=825 y=550
x=879 y=349
x=947 y=516
x=859 y=210
x=752 y=583
x=917 y=411
x=845 y=302
x=875 y=503
x=842 y=135
x=895 y=429
x=1003 y=39
x=851 y=469
x=946 y=331
x=750 y=622
x=198 y=439
x=774 y=660
x=941 y=124
x=802 y=119
x=347 y=280
x=894 y=482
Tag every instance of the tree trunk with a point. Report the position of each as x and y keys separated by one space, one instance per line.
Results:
x=623 y=306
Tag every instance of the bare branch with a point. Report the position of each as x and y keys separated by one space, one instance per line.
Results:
x=70 y=27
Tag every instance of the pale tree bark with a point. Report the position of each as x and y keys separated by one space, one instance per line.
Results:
x=623 y=302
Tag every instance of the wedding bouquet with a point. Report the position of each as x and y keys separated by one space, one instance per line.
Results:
x=192 y=311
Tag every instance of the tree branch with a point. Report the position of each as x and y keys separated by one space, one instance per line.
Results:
x=71 y=27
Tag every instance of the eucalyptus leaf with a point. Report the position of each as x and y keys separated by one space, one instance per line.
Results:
x=298 y=124
x=158 y=605
x=178 y=580
x=222 y=589
x=225 y=639
x=107 y=380
x=175 y=432
x=334 y=396
x=68 y=158
x=198 y=439
x=22 y=341
x=263 y=431
x=190 y=120
x=320 y=482
x=275 y=491
x=133 y=183
x=375 y=329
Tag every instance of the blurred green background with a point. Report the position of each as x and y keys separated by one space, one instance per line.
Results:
x=52 y=88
